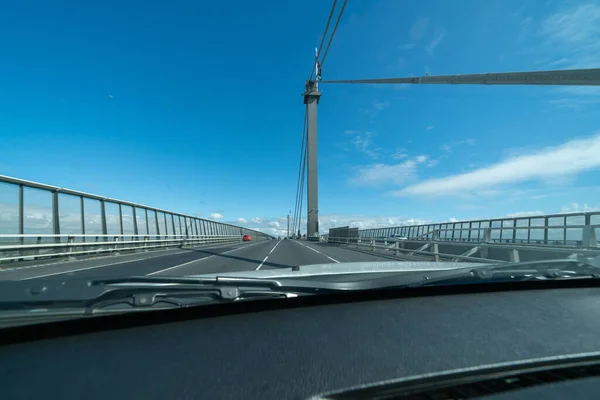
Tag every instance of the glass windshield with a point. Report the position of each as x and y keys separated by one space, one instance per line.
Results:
x=145 y=145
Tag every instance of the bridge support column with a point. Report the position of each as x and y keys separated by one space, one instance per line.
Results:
x=311 y=99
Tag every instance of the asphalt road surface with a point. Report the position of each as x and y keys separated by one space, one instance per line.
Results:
x=243 y=256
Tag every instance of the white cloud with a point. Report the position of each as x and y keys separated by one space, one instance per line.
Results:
x=216 y=216
x=242 y=221
x=429 y=128
x=274 y=224
x=575 y=207
x=432 y=163
x=520 y=214
x=388 y=174
x=418 y=29
x=364 y=144
x=566 y=160
x=570 y=40
x=448 y=147
x=421 y=159
x=378 y=174
x=435 y=42
x=380 y=105
x=257 y=220
x=574 y=34
x=400 y=154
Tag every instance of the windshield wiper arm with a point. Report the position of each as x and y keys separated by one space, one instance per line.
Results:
x=145 y=291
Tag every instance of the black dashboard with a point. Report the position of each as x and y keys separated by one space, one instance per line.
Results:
x=299 y=349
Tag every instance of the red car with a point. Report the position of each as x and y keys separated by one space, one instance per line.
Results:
x=246 y=238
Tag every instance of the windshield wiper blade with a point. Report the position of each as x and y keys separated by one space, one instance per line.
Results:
x=218 y=280
x=143 y=292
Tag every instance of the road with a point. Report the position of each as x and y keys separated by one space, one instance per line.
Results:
x=268 y=254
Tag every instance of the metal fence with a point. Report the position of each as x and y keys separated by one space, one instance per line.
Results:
x=58 y=221
x=556 y=229
x=508 y=239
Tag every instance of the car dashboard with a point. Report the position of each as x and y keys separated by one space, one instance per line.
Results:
x=296 y=348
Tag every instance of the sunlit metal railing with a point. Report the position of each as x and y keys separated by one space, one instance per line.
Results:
x=127 y=216
x=567 y=229
x=29 y=247
x=493 y=240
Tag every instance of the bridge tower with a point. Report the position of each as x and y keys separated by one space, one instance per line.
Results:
x=311 y=99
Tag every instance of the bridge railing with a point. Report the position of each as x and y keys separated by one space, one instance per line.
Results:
x=29 y=247
x=484 y=240
x=46 y=221
x=553 y=229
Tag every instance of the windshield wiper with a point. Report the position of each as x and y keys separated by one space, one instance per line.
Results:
x=143 y=292
x=568 y=268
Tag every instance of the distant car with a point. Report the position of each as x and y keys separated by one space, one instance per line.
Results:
x=246 y=238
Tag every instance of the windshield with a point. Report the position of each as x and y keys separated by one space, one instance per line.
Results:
x=161 y=156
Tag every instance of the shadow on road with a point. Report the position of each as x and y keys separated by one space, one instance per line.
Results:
x=210 y=252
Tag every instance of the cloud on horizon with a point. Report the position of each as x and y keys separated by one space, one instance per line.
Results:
x=564 y=161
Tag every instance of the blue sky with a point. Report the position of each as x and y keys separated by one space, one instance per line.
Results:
x=197 y=107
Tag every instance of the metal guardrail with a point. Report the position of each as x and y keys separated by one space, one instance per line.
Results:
x=568 y=229
x=484 y=243
x=164 y=222
x=437 y=250
x=30 y=247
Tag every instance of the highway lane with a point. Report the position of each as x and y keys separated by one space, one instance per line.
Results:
x=118 y=266
x=268 y=254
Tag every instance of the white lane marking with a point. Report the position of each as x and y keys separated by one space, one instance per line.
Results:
x=109 y=265
x=93 y=258
x=263 y=261
x=276 y=244
x=203 y=258
x=317 y=251
x=99 y=266
x=177 y=266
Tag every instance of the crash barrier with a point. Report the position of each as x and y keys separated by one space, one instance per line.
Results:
x=39 y=220
x=498 y=240
x=32 y=247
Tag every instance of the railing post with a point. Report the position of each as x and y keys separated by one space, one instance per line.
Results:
x=147 y=223
x=120 y=219
x=156 y=224
x=173 y=224
x=588 y=239
x=103 y=217
x=487 y=238
x=514 y=255
x=55 y=214
x=21 y=215
x=82 y=207
x=135 y=225
x=435 y=237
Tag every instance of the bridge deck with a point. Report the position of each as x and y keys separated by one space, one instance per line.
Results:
x=268 y=254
